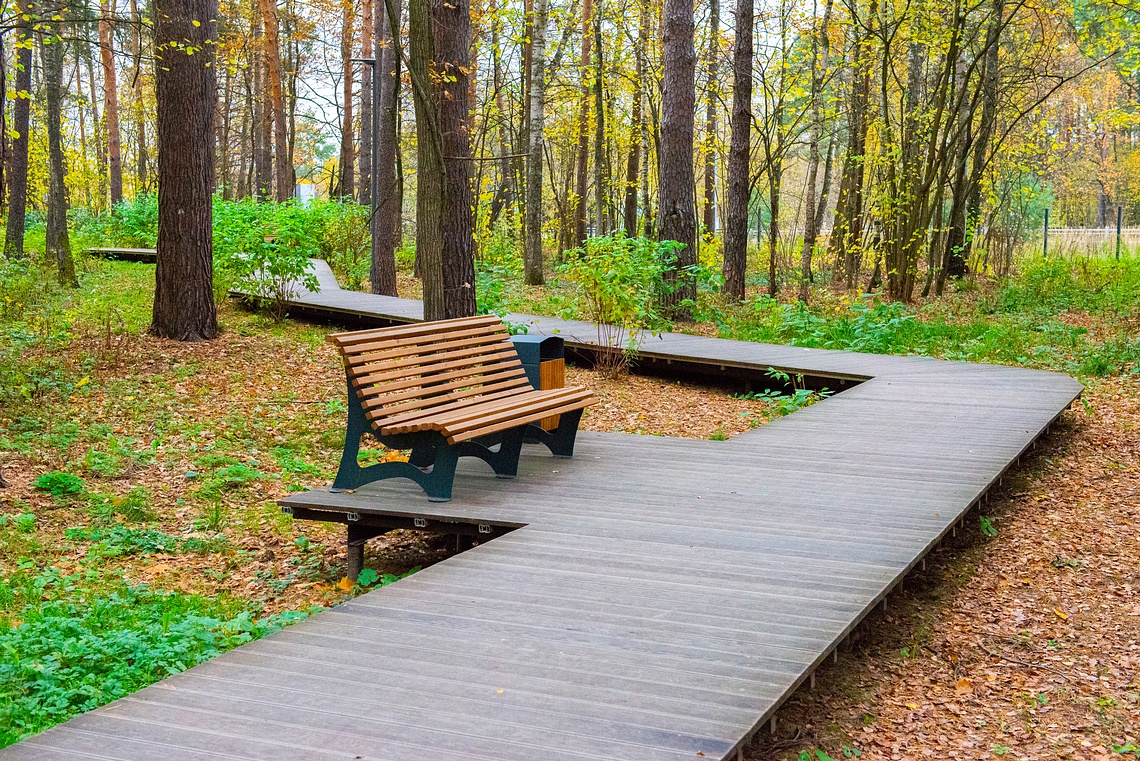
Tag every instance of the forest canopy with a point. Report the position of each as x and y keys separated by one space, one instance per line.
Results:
x=900 y=143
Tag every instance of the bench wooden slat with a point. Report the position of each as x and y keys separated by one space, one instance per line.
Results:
x=390 y=422
x=427 y=383
x=507 y=425
x=527 y=406
x=431 y=393
x=465 y=396
x=359 y=362
x=385 y=349
x=421 y=367
x=456 y=420
x=356 y=337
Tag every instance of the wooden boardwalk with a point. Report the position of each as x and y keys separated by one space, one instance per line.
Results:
x=658 y=599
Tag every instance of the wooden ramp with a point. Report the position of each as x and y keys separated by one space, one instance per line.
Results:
x=657 y=599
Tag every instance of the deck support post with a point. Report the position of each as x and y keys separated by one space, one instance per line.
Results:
x=924 y=564
x=835 y=655
x=772 y=725
x=811 y=681
x=357 y=536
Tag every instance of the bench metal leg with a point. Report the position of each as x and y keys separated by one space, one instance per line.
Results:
x=438 y=482
x=505 y=462
x=560 y=441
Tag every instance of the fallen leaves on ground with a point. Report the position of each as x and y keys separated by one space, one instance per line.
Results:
x=1023 y=646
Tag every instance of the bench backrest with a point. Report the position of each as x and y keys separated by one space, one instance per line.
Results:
x=409 y=370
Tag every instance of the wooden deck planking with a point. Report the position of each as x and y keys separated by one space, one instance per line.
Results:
x=661 y=599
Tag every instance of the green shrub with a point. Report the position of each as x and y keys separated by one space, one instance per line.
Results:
x=621 y=282
x=263 y=250
x=59 y=484
x=134 y=223
x=345 y=241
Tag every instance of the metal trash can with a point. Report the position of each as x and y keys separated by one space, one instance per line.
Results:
x=544 y=359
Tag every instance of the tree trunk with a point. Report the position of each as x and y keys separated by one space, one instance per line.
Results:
x=262 y=112
x=580 y=229
x=57 y=244
x=820 y=50
x=282 y=168
x=225 y=114
x=739 y=159
x=711 y=67
x=633 y=163
x=346 y=182
x=100 y=147
x=451 y=25
x=676 y=192
x=601 y=176
x=79 y=111
x=775 y=179
x=532 y=251
x=504 y=191
x=386 y=223
x=111 y=103
x=4 y=116
x=366 y=73
x=141 y=168
x=847 y=229
x=21 y=121
x=185 y=92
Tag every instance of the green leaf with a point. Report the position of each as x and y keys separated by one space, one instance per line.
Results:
x=367 y=577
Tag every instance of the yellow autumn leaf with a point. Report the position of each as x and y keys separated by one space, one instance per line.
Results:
x=1061 y=614
x=345 y=585
x=83 y=382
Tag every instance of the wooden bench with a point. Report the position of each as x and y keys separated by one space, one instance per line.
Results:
x=445 y=390
x=125 y=254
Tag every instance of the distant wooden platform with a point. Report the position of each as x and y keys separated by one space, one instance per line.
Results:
x=126 y=254
x=653 y=598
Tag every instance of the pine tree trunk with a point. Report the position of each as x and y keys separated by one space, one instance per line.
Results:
x=386 y=227
x=282 y=169
x=185 y=93
x=504 y=192
x=21 y=120
x=580 y=203
x=451 y=24
x=111 y=103
x=141 y=169
x=711 y=66
x=429 y=157
x=58 y=244
x=100 y=149
x=346 y=183
x=532 y=251
x=366 y=73
x=601 y=180
x=820 y=50
x=262 y=133
x=79 y=103
x=676 y=193
x=633 y=162
x=224 y=136
x=739 y=156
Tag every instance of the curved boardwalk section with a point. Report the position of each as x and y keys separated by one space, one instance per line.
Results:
x=658 y=599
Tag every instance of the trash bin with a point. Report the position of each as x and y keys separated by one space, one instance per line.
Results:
x=544 y=359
